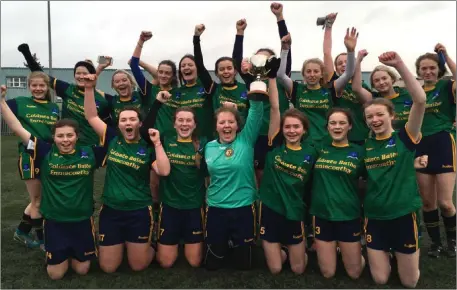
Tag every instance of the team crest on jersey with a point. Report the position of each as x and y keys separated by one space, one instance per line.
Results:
x=436 y=94
x=244 y=95
x=141 y=151
x=178 y=95
x=55 y=111
x=25 y=167
x=407 y=103
x=134 y=99
x=324 y=92
x=97 y=104
x=353 y=155
x=229 y=152
x=307 y=159
x=201 y=91
x=391 y=143
x=84 y=154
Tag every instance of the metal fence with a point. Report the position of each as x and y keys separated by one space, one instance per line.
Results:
x=5 y=129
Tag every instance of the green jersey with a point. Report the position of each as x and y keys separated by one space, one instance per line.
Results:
x=166 y=113
x=194 y=96
x=117 y=104
x=391 y=184
x=231 y=165
x=237 y=94
x=67 y=180
x=440 y=108
x=335 y=182
x=314 y=103
x=36 y=116
x=402 y=102
x=284 y=105
x=73 y=108
x=285 y=174
x=184 y=187
x=128 y=166
x=349 y=100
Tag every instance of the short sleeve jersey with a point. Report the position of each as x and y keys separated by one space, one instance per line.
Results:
x=392 y=189
x=335 y=181
x=128 y=165
x=286 y=172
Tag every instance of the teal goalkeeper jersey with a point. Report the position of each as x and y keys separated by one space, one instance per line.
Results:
x=231 y=166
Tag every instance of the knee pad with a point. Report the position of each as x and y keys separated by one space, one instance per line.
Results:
x=242 y=257
x=215 y=256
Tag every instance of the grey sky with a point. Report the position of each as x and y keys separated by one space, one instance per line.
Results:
x=87 y=29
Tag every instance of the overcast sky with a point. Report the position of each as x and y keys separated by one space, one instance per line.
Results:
x=87 y=29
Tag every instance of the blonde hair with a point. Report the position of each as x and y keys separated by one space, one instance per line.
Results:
x=386 y=69
x=45 y=78
x=321 y=65
x=129 y=76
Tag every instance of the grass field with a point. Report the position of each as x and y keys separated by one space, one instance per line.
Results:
x=24 y=268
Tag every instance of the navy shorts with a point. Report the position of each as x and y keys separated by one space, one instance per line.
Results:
x=341 y=231
x=260 y=152
x=120 y=226
x=236 y=224
x=400 y=234
x=63 y=240
x=177 y=225
x=440 y=148
x=276 y=228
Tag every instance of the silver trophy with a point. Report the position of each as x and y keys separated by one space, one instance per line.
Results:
x=259 y=70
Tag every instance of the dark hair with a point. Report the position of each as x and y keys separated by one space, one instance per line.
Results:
x=66 y=123
x=297 y=114
x=380 y=101
x=221 y=59
x=336 y=58
x=130 y=108
x=87 y=64
x=180 y=76
x=172 y=64
x=239 y=120
x=195 y=139
x=342 y=111
x=266 y=49
x=435 y=58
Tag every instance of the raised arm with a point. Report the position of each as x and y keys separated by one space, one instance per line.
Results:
x=416 y=115
x=237 y=53
x=11 y=120
x=451 y=64
x=90 y=108
x=149 y=121
x=32 y=63
x=203 y=73
x=277 y=8
x=357 y=87
x=275 y=115
x=57 y=85
x=102 y=66
x=285 y=80
x=142 y=82
x=161 y=164
x=350 y=41
x=152 y=70
x=328 y=59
